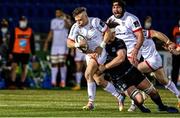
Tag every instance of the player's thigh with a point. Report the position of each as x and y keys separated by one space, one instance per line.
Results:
x=145 y=84
x=143 y=67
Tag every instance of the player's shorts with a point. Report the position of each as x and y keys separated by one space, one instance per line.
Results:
x=154 y=62
x=21 y=58
x=79 y=56
x=129 y=54
x=132 y=77
x=100 y=60
x=58 y=54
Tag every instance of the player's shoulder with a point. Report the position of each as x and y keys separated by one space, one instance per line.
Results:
x=75 y=26
x=130 y=16
x=94 y=20
x=111 y=18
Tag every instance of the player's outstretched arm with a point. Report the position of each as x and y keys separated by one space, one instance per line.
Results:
x=160 y=36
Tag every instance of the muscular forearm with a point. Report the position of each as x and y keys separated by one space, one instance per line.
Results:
x=140 y=40
x=160 y=36
x=117 y=60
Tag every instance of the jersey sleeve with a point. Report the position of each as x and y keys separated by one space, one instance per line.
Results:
x=120 y=45
x=73 y=32
x=99 y=24
x=134 y=24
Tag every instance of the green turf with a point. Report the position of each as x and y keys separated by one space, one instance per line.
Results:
x=67 y=103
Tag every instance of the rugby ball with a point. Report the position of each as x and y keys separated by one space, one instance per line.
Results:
x=80 y=38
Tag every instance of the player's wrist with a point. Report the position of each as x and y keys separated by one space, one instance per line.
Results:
x=102 y=44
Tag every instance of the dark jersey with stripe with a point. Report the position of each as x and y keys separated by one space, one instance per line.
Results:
x=112 y=49
x=125 y=74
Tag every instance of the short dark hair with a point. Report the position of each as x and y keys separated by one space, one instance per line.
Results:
x=120 y=3
x=112 y=24
x=78 y=10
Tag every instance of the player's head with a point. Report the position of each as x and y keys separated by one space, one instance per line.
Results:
x=118 y=8
x=112 y=26
x=23 y=22
x=4 y=26
x=147 y=22
x=59 y=13
x=80 y=16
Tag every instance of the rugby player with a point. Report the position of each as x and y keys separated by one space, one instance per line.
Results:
x=97 y=35
x=58 y=35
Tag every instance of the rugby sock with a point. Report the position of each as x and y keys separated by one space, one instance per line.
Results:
x=111 y=89
x=54 y=71
x=171 y=86
x=63 y=71
x=157 y=100
x=91 y=88
x=78 y=77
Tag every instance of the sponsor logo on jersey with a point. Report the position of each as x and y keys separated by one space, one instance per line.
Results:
x=136 y=24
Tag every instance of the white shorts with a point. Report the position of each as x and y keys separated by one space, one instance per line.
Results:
x=129 y=53
x=100 y=60
x=58 y=54
x=79 y=56
x=154 y=62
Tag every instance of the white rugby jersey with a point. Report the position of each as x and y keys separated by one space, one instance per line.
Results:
x=148 y=47
x=60 y=33
x=92 y=32
x=128 y=24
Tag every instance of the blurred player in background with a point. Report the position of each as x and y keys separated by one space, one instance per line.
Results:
x=96 y=34
x=148 y=22
x=58 y=35
x=21 y=46
x=79 y=59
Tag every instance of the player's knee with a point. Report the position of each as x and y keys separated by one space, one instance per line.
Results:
x=137 y=97
x=150 y=90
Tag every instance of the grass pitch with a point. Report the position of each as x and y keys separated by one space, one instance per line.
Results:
x=67 y=103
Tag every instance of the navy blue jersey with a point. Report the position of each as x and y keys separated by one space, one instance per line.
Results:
x=124 y=67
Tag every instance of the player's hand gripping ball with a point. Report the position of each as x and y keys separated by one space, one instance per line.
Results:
x=83 y=43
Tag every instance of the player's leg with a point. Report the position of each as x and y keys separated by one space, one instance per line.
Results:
x=63 y=70
x=155 y=64
x=91 y=85
x=109 y=87
x=149 y=89
x=78 y=75
x=137 y=97
x=162 y=78
x=54 y=69
x=80 y=63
